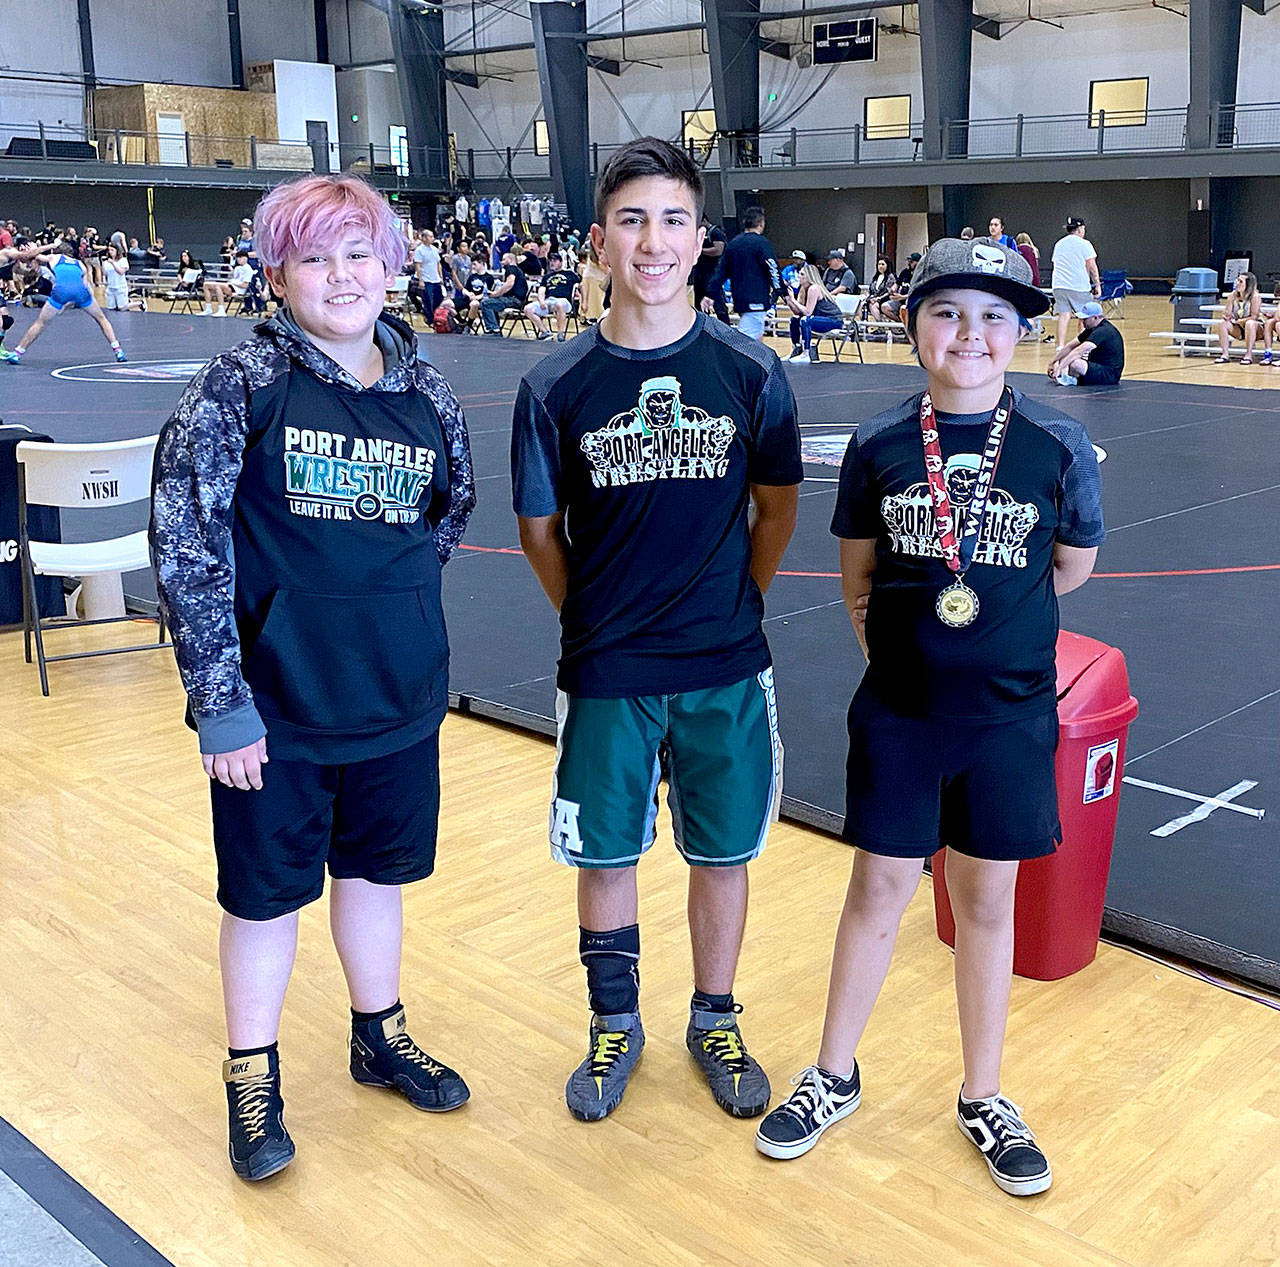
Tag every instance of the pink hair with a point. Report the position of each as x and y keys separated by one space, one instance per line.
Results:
x=311 y=213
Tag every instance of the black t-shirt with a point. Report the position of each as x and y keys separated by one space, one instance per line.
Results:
x=520 y=291
x=531 y=265
x=904 y=279
x=1110 y=346
x=1046 y=489
x=651 y=455
x=560 y=284
x=478 y=284
x=705 y=265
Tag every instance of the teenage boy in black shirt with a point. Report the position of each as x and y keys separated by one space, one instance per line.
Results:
x=1095 y=357
x=557 y=292
x=655 y=433
x=953 y=729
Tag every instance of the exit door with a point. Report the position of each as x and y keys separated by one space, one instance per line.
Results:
x=887 y=240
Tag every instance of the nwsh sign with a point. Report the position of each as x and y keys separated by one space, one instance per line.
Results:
x=853 y=41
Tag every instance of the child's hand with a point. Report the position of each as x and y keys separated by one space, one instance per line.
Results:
x=241 y=768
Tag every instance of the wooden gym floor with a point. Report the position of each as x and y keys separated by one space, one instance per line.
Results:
x=1153 y=1093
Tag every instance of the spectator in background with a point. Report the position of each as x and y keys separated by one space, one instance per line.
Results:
x=995 y=231
x=839 y=279
x=116 y=268
x=1027 y=249
x=816 y=312
x=557 y=292
x=246 y=283
x=1076 y=280
x=595 y=277
x=478 y=284
x=1241 y=320
x=502 y=244
x=528 y=260
x=704 y=267
x=136 y=254
x=791 y=271
x=426 y=272
x=155 y=253
x=750 y=267
x=883 y=287
x=511 y=292
x=1095 y=358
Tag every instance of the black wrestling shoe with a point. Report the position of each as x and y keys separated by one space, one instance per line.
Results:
x=259 y=1144
x=383 y=1055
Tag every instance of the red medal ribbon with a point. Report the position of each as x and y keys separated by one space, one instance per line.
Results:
x=957 y=553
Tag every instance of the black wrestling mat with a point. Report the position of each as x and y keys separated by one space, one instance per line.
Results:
x=1188 y=586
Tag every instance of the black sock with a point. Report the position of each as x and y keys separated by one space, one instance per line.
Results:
x=235 y=1053
x=612 y=961
x=375 y=1016
x=702 y=1002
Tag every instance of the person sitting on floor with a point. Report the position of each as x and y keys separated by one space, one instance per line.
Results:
x=1241 y=320
x=1095 y=357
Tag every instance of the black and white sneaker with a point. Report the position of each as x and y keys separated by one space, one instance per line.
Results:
x=997 y=1131
x=819 y=1100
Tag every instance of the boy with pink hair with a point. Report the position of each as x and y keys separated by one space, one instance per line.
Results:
x=308 y=488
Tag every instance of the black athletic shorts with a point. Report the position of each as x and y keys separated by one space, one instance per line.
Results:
x=985 y=789
x=1098 y=376
x=371 y=820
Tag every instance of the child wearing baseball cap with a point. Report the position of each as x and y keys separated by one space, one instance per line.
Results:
x=962 y=514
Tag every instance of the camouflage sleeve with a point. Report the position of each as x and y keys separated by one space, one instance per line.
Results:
x=462 y=484
x=198 y=460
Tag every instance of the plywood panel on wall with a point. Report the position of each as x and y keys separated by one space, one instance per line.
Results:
x=220 y=120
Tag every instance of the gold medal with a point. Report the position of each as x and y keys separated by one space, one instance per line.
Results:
x=957 y=606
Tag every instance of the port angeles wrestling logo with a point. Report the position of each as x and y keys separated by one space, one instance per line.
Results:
x=909 y=517
x=661 y=438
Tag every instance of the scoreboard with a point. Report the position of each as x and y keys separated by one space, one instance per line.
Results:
x=853 y=41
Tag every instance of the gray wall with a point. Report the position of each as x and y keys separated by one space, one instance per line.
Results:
x=1248 y=217
x=1140 y=226
x=197 y=219
x=814 y=220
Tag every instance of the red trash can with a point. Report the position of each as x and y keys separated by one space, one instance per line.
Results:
x=1058 y=907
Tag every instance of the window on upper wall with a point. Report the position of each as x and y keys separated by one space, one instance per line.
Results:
x=884 y=118
x=1124 y=100
x=698 y=129
x=541 y=140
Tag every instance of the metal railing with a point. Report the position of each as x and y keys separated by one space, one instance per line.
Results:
x=1033 y=136
x=1020 y=136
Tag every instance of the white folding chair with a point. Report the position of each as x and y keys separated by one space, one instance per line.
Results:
x=80 y=477
x=850 y=307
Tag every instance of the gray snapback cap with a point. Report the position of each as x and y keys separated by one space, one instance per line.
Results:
x=978 y=264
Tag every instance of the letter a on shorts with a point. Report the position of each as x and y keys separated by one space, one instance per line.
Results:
x=564 y=825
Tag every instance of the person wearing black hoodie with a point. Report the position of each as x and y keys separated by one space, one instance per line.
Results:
x=308 y=488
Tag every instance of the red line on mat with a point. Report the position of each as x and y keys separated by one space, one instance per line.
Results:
x=1101 y=576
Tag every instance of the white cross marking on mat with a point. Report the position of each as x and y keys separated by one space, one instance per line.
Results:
x=1206 y=807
